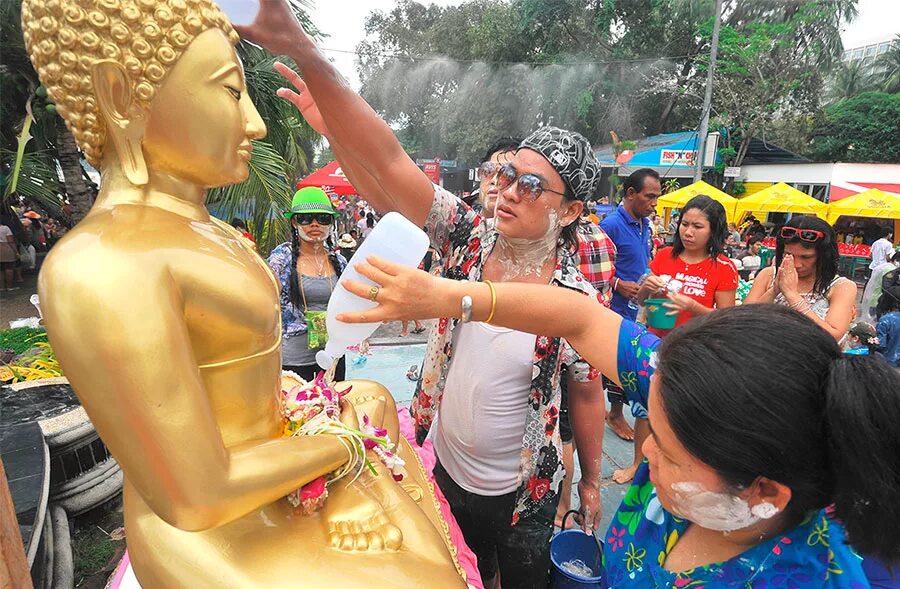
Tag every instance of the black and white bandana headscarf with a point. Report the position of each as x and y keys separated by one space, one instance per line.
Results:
x=571 y=156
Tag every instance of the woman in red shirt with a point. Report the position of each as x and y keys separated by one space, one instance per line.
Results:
x=696 y=260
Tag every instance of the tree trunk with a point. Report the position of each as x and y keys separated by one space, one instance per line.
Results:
x=80 y=193
x=742 y=150
x=670 y=105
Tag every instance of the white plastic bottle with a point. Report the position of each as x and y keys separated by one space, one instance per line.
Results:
x=394 y=238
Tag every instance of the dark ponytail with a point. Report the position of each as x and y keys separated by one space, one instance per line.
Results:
x=783 y=403
x=295 y=278
x=862 y=422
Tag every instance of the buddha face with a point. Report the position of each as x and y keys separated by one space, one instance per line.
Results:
x=200 y=123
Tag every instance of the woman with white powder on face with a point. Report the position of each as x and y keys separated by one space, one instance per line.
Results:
x=743 y=459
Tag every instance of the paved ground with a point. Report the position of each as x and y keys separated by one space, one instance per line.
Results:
x=15 y=304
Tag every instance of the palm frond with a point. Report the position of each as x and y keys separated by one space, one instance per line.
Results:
x=887 y=71
x=38 y=178
x=261 y=198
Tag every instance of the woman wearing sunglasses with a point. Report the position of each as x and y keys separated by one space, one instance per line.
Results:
x=307 y=270
x=777 y=472
x=805 y=278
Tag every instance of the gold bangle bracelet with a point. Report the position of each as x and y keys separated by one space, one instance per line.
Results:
x=493 y=300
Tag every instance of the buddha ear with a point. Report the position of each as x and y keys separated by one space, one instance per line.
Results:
x=125 y=123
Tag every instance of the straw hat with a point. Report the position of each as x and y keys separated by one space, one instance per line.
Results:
x=346 y=241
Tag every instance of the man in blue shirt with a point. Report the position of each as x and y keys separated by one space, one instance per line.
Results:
x=629 y=228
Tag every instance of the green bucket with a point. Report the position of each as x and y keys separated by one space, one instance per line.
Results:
x=657 y=317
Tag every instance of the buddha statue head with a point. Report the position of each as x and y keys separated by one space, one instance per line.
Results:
x=148 y=86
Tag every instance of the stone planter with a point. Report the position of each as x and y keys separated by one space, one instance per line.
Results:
x=83 y=475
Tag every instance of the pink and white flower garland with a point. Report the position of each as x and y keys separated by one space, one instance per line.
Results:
x=312 y=409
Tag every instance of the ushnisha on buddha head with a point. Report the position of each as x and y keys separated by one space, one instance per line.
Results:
x=146 y=84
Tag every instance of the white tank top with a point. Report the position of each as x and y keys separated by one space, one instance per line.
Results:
x=481 y=421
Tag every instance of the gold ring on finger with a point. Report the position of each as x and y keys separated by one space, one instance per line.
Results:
x=373 y=293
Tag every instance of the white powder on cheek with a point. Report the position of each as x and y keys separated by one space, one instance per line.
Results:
x=303 y=235
x=711 y=510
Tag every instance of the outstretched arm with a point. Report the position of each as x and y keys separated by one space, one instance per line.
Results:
x=364 y=137
x=406 y=293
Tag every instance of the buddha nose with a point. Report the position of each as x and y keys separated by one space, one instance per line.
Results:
x=255 y=127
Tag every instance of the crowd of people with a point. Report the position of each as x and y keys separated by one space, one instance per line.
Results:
x=766 y=445
x=24 y=233
x=763 y=453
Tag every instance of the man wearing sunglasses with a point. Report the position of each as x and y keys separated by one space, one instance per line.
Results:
x=497 y=440
x=497 y=154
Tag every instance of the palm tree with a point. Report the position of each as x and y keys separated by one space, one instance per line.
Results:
x=887 y=69
x=50 y=148
x=849 y=80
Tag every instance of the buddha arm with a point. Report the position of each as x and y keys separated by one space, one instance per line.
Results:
x=364 y=139
x=147 y=401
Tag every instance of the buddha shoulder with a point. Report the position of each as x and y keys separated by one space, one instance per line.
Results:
x=118 y=246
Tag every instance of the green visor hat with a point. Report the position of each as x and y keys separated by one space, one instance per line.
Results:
x=310 y=199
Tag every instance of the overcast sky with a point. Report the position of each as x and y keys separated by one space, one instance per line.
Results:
x=343 y=20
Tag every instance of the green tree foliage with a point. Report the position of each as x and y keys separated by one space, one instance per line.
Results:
x=887 y=69
x=769 y=70
x=452 y=79
x=865 y=128
x=850 y=79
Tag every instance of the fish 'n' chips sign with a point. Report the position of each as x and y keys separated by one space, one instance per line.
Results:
x=677 y=157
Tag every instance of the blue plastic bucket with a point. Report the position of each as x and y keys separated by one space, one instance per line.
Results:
x=570 y=545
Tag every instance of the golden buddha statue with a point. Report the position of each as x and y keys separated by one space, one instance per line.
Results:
x=167 y=323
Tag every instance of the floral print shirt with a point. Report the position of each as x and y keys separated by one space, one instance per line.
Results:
x=293 y=320
x=814 y=554
x=465 y=241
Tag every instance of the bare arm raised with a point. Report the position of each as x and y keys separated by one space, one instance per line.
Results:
x=405 y=293
x=362 y=135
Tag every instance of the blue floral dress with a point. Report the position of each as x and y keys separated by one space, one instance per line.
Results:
x=814 y=554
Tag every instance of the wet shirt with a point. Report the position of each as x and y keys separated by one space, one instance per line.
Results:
x=888 y=330
x=701 y=280
x=642 y=533
x=464 y=241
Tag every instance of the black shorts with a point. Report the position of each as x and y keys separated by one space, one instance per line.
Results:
x=614 y=393
x=521 y=552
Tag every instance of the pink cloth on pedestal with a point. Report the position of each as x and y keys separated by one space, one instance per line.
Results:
x=467 y=558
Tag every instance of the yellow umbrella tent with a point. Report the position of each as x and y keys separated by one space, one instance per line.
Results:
x=871 y=203
x=680 y=197
x=780 y=198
